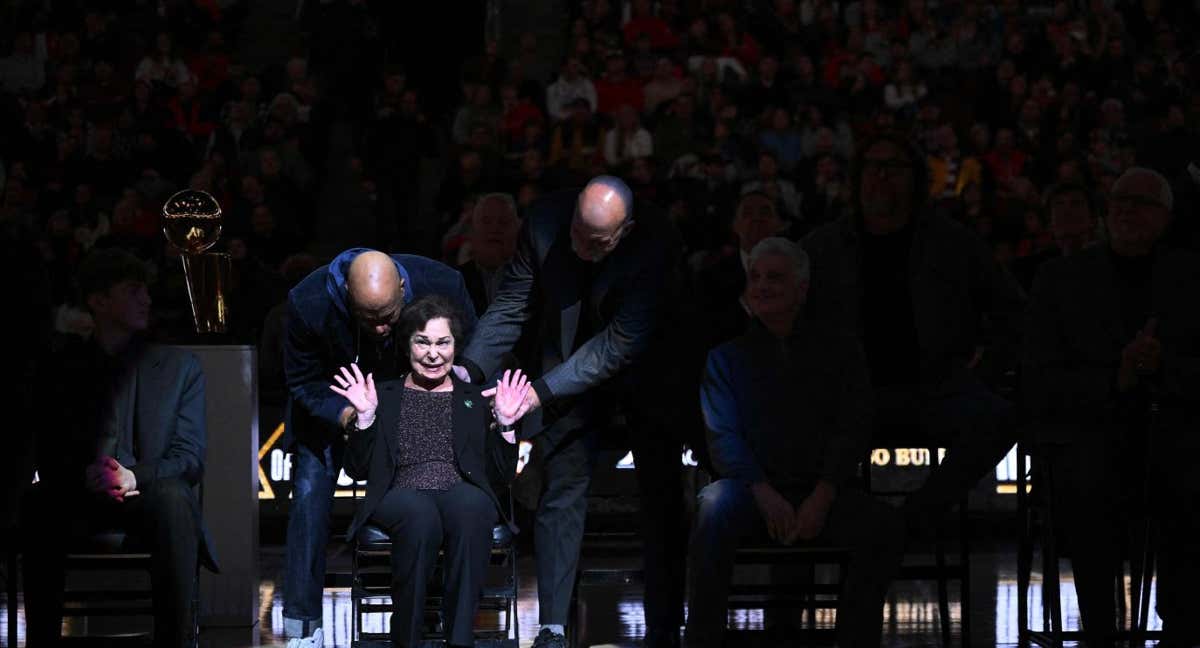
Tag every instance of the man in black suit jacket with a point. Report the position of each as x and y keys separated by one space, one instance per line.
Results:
x=593 y=274
x=125 y=453
x=1112 y=329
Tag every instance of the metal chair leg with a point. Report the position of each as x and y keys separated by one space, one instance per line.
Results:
x=1051 y=596
x=12 y=595
x=1025 y=547
x=942 y=589
x=965 y=582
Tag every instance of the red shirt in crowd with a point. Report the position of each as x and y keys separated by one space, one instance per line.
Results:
x=513 y=122
x=612 y=95
x=656 y=28
x=1005 y=166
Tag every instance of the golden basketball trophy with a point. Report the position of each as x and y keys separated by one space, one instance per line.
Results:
x=192 y=223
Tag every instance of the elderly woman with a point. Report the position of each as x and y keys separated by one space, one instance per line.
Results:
x=431 y=450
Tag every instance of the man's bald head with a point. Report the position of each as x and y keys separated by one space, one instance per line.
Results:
x=603 y=215
x=376 y=291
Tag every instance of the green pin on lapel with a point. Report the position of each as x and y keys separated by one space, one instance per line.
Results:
x=468 y=403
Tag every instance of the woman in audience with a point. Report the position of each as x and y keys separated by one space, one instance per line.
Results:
x=433 y=455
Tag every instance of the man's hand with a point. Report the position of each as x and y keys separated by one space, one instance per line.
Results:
x=777 y=512
x=531 y=398
x=109 y=477
x=811 y=514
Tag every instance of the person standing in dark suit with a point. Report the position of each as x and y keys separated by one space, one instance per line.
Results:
x=1113 y=329
x=125 y=451
x=340 y=314
x=433 y=462
x=593 y=275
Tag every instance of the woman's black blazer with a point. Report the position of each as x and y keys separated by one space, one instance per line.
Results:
x=484 y=458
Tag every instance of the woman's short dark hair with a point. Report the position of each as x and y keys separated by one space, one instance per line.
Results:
x=422 y=310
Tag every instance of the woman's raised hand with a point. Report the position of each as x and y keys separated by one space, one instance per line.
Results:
x=359 y=391
x=511 y=402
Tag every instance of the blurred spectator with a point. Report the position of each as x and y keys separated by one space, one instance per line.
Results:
x=662 y=88
x=23 y=71
x=627 y=140
x=678 y=130
x=577 y=143
x=161 y=66
x=642 y=21
x=782 y=139
x=783 y=191
x=1074 y=223
x=615 y=88
x=903 y=91
x=517 y=109
x=949 y=170
x=479 y=110
x=572 y=84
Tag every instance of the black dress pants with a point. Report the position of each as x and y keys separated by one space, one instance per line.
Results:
x=165 y=520
x=420 y=523
x=562 y=513
x=1100 y=499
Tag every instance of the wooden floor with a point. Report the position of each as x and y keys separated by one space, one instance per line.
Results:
x=614 y=612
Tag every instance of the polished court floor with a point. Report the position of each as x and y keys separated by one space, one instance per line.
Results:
x=614 y=613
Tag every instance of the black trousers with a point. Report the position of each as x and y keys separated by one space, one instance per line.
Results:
x=562 y=511
x=975 y=425
x=1099 y=492
x=420 y=523
x=728 y=517
x=164 y=518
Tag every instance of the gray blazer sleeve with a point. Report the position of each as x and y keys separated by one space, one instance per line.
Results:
x=184 y=457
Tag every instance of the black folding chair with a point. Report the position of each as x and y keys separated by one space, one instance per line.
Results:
x=941 y=571
x=371 y=586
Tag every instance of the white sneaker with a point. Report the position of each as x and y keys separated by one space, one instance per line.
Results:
x=317 y=640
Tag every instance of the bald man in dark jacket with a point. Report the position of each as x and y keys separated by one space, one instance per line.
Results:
x=594 y=276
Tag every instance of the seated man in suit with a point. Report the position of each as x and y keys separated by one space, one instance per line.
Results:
x=125 y=452
x=1111 y=330
x=787 y=407
x=936 y=318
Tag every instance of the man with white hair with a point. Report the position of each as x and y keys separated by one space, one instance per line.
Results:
x=1113 y=336
x=787 y=408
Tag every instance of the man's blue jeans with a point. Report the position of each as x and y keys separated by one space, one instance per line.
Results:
x=315 y=470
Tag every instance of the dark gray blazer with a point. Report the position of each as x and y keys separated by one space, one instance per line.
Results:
x=541 y=288
x=1074 y=339
x=167 y=385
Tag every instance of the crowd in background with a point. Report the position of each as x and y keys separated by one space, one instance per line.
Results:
x=108 y=109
